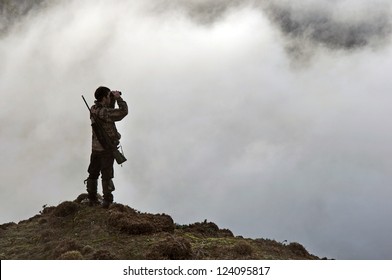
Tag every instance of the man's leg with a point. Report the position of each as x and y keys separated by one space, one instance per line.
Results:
x=92 y=180
x=107 y=183
x=108 y=188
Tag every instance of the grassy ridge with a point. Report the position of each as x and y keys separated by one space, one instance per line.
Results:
x=75 y=230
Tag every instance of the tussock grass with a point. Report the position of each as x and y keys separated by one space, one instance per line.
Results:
x=73 y=230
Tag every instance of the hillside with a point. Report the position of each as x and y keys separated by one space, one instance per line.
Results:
x=75 y=230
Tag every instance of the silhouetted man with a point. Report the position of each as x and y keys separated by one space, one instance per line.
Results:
x=101 y=160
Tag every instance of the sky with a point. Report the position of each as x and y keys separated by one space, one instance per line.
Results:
x=270 y=119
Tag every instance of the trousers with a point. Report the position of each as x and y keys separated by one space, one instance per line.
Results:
x=101 y=162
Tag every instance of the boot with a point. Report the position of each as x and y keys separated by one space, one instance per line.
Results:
x=108 y=188
x=92 y=185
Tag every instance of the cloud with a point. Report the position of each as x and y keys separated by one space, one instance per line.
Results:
x=221 y=126
x=336 y=25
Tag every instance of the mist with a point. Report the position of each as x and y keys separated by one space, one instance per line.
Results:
x=270 y=119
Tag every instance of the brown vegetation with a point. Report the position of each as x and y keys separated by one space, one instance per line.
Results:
x=73 y=230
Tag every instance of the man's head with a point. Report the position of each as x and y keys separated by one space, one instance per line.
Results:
x=102 y=94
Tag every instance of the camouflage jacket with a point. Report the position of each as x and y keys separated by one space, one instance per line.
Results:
x=108 y=116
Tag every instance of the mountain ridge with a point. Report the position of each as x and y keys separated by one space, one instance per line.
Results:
x=76 y=230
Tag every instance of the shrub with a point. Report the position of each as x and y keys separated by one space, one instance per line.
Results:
x=298 y=249
x=66 y=208
x=243 y=248
x=130 y=224
x=133 y=223
x=207 y=229
x=171 y=248
x=65 y=246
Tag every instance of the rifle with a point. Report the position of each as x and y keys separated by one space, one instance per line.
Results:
x=103 y=137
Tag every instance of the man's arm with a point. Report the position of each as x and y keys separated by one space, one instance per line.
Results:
x=119 y=113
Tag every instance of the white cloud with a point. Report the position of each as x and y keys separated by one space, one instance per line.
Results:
x=223 y=123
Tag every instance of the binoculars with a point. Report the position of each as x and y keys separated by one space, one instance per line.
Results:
x=112 y=100
x=111 y=93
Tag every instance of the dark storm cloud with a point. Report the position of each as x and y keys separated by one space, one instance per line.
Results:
x=12 y=11
x=332 y=25
x=203 y=12
x=306 y=25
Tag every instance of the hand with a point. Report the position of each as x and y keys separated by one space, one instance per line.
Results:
x=116 y=94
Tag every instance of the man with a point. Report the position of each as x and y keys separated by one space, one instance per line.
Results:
x=101 y=160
